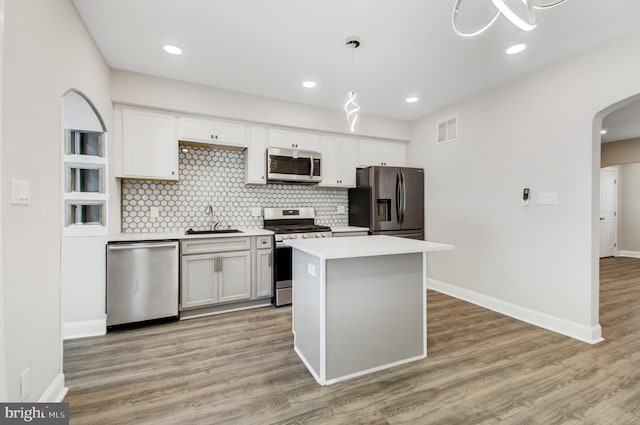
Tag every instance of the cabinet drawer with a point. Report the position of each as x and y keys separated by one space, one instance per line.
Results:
x=263 y=242
x=201 y=246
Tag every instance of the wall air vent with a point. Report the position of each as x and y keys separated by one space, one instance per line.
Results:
x=447 y=129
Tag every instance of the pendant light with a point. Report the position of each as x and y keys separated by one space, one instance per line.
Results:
x=525 y=23
x=351 y=107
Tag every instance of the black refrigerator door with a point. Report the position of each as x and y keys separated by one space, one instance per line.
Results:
x=385 y=185
x=412 y=199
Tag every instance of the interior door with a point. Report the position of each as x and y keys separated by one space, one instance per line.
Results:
x=608 y=214
x=413 y=198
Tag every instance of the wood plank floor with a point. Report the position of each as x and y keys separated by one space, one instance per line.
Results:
x=482 y=368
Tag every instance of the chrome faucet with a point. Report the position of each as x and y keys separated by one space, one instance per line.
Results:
x=209 y=212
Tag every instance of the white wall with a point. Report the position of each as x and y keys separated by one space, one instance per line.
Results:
x=629 y=207
x=162 y=93
x=47 y=51
x=538 y=263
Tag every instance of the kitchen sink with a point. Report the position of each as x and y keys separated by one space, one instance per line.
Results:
x=211 y=232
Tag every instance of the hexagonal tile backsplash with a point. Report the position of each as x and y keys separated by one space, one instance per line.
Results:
x=216 y=177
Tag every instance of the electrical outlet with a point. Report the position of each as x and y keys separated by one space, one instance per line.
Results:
x=154 y=212
x=340 y=209
x=25 y=383
x=256 y=212
x=311 y=269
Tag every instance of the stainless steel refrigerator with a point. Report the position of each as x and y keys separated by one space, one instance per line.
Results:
x=389 y=201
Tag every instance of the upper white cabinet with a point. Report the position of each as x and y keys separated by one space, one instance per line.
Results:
x=378 y=152
x=201 y=130
x=338 y=161
x=147 y=144
x=293 y=140
x=255 y=159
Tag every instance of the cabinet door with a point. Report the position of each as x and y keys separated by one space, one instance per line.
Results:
x=231 y=134
x=264 y=273
x=378 y=152
x=234 y=277
x=196 y=129
x=255 y=159
x=211 y=132
x=149 y=144
x=199 y=284
x=338 y=161
x=293 y=140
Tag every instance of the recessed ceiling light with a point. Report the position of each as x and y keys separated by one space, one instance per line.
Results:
x=309 y=84
x=411 y=99
x=174 y=50
x=516 y=48
x=603 y=131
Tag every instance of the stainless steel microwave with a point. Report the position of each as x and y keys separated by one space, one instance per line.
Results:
x=293 y=165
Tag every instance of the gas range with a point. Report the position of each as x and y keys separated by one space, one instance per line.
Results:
x=289 y=223
x=294 y=223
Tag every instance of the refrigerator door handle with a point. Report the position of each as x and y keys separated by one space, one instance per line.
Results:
x=404 y=196
x=398 y=212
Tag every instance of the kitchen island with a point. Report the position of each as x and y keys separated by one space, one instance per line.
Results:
x=359 y=303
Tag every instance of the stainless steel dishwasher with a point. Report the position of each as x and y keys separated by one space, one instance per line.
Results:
x=142 y=281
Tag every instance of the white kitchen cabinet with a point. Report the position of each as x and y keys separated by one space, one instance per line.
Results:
x=215 y=271
x=338 y=161
x=199 y=283
x=211 y=132
x=380 y=152
x=234 y=276
x=148 y=144
x=293 y=140
x=264 y=273
x=255 y=160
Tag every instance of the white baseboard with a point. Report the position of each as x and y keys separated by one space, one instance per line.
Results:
x=72 y=330
x=55 y=392
x=589 y=334
x=623 y=253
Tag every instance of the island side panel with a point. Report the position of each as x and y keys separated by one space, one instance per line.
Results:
x=375 y=312
x=307 y=309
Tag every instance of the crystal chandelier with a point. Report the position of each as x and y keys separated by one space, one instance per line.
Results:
x=526 y=20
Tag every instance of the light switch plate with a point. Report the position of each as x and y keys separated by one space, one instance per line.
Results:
x=20 y=192
x=154 y=212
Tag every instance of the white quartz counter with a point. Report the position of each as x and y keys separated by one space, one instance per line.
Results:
x=364 y=246
x=125 y=237
x=347 y=229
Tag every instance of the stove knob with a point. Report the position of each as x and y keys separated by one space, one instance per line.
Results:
x=319 y=235
x=304 y=236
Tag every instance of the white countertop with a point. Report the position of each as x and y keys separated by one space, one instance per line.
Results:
x=124 y=237
x=364 y=246
x=349 y=229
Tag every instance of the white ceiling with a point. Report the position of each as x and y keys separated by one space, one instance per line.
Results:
x=408 y=47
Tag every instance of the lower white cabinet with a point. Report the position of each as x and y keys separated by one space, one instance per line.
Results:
x=215 y=278
x=225 y=270
x=264 y=273
x=234 y=276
